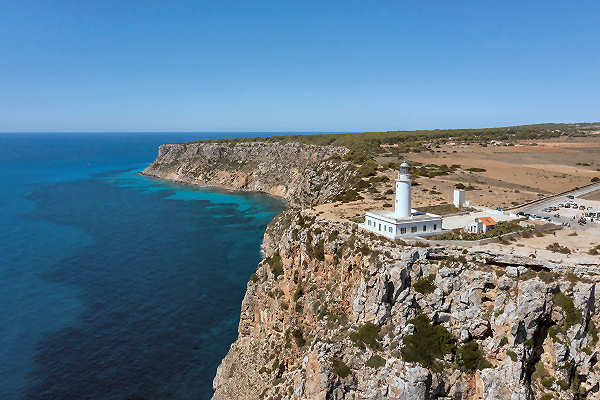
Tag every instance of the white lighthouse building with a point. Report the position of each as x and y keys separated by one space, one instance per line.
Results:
x=402 y=221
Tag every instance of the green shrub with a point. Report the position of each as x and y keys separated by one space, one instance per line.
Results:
x=427 y=343
x=368 y=168
x=595 y=179
x=425 y=285
x=275 y=264
x=275 y=365
x=300 y=341
x=553 y=332
x=375 y=361
x=501 y=228
x=547 y=382
x=572 y=315
x=364 y=249
x=562 y=384
x=503 y=341
x=254 y=278
x=557 y=248
x=470 y=358
x=593 y=332
x=319 y=250
x=512 y=355
x=340 y=368
x=367 y=334
x=299 y=292
x=547 y=396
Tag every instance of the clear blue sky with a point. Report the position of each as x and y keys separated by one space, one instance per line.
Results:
x=296 y=65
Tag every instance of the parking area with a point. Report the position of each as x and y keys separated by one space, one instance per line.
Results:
x=576 y=213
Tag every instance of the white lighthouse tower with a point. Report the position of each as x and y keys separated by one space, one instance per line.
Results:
x=402 y=221
x=402 y=208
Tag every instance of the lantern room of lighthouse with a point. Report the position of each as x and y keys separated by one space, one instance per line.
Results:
x=402 y=221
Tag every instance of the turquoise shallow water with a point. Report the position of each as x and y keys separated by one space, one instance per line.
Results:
x=115 y=285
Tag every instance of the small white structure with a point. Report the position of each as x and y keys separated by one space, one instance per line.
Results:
x=403 y=220
x=459 y=198
x=480 y=225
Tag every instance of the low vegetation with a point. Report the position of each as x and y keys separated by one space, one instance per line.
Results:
x=367 y=144
x=340 y=368
x=375 y=361
x=275 y=264
x=428 y=343
x=500 y=229
x=425 y=285
x=367 y=334
x=572 y=315
x=469 y=357
x=557 y=248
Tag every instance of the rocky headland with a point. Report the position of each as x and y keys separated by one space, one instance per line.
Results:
x=303 y=174
x=333 y=312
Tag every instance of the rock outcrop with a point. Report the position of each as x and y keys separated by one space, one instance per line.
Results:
x=303 y=174
x=336 y=313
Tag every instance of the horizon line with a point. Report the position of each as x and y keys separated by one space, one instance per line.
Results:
x=287 y=131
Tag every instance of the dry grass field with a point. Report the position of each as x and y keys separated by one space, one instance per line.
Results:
x=513 y=174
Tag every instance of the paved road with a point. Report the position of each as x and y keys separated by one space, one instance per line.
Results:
x=555 y=201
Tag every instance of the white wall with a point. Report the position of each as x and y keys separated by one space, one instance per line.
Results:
x=396 y=230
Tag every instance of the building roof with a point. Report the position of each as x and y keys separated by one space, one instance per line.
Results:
x=416 y=216
x=488 y=221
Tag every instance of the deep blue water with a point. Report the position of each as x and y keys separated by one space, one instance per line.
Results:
x=115 y=285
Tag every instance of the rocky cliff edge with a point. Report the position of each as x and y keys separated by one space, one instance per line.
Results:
x=303 y=174
x=337 y=313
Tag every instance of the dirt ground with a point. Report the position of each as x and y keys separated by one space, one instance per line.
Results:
x=522 y=172
x=579 y=243
x=592 y=196
x=513 y=174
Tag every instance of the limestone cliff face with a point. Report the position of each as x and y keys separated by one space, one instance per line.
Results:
x=302 y=174
x=336 y=313
x=332 y=313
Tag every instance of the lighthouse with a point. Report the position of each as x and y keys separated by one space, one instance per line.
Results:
x=402 y=221
x=402 y=207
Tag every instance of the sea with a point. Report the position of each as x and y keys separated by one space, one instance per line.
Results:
x=117 y=286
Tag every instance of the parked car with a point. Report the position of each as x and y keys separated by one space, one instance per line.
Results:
x=570 y=197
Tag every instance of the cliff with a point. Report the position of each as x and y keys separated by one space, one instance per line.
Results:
x=335 y=313
x=303 y=174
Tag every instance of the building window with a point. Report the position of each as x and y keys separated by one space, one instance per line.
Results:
x=413 y=229
x=402 y=230
x=391 y=230
x=424 y=228
x=379 y=226
x=435 y=227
